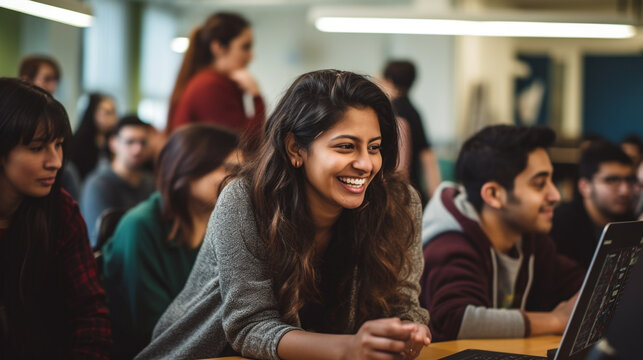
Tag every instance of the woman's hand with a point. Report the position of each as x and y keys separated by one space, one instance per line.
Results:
x=387 y=339
x=419 y=339
x=246 y=82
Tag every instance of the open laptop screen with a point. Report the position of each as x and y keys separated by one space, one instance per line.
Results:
x=614 y=258
x=624 y=331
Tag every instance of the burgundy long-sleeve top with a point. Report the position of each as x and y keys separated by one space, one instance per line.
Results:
x=213 y=98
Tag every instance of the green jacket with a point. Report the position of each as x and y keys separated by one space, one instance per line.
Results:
x=143 y=272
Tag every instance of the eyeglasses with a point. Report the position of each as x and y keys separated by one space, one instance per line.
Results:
x=616 y=181
x=130 y=142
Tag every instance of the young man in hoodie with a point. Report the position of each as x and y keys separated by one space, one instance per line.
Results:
x=491 y=271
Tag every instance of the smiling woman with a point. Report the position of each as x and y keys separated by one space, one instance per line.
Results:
x=49 y=291
x=313 y=251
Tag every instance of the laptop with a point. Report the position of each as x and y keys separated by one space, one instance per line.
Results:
x=616 y=254
x=623 y=334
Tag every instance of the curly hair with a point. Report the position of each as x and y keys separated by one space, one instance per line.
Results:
x=375 y=237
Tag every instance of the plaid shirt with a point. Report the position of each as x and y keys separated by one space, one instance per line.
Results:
x=83 y=296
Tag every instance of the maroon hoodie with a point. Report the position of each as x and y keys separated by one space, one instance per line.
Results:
x=461 y=270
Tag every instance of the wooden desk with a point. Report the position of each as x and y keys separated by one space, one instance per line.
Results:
x=536 y=346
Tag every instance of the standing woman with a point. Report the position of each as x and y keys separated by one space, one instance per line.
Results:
x=213 y=78
x=51 y=304
x=314 y=251
x=89 y=143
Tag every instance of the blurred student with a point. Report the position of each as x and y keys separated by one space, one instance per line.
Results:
x=150 y=255
x=213 y=78
x=632 y=145
x=124 y=182
x=606 y=186
x=89 y=145
x=399 y=76
x=44 y=72
x=51 y=304
x=40 y=70
x=312 y=252
x=639 y=189
x=491 y=271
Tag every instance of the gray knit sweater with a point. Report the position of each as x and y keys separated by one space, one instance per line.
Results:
x=228 y=299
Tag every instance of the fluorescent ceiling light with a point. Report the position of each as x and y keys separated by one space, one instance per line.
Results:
x=382 y=25
x=69 y=12
x=180 y=44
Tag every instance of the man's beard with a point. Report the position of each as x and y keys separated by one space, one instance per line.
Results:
x=606 y=212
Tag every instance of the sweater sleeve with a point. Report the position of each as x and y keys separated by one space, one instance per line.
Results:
x=411 y=287
x=479 y=322
x=455 y=278
x=84 y=297
x=251 y=319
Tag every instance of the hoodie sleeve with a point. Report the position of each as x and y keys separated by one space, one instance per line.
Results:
x=457 y=292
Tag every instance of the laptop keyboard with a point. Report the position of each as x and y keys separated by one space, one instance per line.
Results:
x=471 y=354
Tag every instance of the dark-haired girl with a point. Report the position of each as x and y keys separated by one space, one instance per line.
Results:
x=150 y=255
x=213 y=78
x=51 y=304
x=313 y=252
x=89 y=143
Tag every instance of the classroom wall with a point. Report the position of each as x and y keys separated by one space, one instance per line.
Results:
x=464 y=82
x=22 y=35
x=287 y=45
x=9 y=42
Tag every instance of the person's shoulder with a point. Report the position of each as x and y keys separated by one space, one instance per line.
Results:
x=235 y=192
x=67 y=206
x=234 y=207
x=205 y=80
x=101 y=177
x=449 y=245
x=68 y=215
x=139 y=228
x=147 y=212
x=415 y=195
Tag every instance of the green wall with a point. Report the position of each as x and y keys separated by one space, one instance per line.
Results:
x=9 y=42
x=134 y=55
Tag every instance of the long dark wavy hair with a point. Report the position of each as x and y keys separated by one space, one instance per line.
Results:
x=375 y=237
x=222 y=27
x=192 y=152
x=26 y=252
x=84 y=152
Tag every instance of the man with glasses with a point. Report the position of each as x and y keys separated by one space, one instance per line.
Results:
x=606 y=194
x=122 y=183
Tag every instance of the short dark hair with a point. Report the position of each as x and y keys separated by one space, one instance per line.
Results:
x=634 y=140
x=498 y=153
x=401 y=73
x=129 y=120
x=30 y=65
x=598 y=153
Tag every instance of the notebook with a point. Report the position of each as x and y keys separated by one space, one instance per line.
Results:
x=614 y=258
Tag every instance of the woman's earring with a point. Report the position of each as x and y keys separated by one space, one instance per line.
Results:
x=297 y=164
